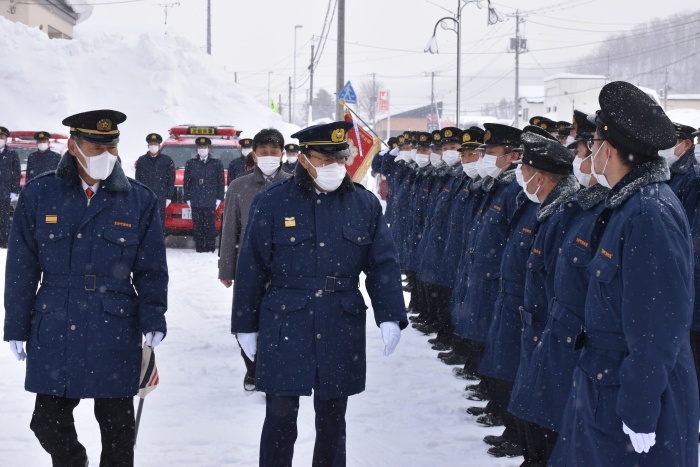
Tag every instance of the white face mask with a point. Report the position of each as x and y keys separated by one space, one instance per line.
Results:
x=436 y=160
x=246 y=151
x=519 y=178
x=2 y=143
x=203 y=152
x=404 y=156
x=268 y=164
x=487 y=166
x=602 y=179
x=413 y=154
x=470 y=169
x=43 y=146
x=98 y=167
x=422 y=160
x=450 y=156
x=583 y=178
x=292 y=159
x=669 y=155
x=531 y=196
x=153 y=149
x=330 y=177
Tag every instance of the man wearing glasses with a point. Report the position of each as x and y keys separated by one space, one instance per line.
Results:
x=299 y=306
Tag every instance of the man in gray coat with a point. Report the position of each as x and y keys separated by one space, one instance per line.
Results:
x=268 y=147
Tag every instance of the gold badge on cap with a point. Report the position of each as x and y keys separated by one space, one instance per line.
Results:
x=423 y=138
x=51 y=219
x=290 y=222
x=448 y=133
x=487 y=136
x=543 y=125
x=104 y=124
x=338 y=135
x=437 y=137
x=153 y=136
x=536 y=121
x=467 y=137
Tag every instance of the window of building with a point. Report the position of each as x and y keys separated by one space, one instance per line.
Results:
x=56 y=34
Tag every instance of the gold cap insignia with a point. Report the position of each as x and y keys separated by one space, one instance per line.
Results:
x=543 y=125
x=153 y=136
x=338 y=135
x=437 y=137
x=448 y=133
x=536 y=121
x=423 y=138
x=487 y=136
x=401 y=139
x=104 y=124
x=466 y=138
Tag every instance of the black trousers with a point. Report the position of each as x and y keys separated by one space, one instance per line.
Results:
x=420 y=304
x=204 y=220
x=438 y=303
x=280 y=431
x=500 y=390
x=5 y=211
x=249 y=364
x=54 y=426
x=537 y=442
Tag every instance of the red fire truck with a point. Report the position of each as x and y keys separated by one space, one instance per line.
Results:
x=180 y=147
x=24 y=144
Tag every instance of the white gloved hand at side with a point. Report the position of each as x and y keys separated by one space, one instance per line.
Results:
x=154 y=338
x=13 y=197
x=167 y=202
x=394 y=152
x=391 y=334
x=641 y=442
x=17 y=348
x=218 y=202
x=249 y=343
x=189 y=204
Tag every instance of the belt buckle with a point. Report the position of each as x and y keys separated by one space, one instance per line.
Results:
x=87 y=279
x=325 y=287
x=201 y=181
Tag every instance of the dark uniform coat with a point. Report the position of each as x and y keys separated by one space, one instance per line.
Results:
x=104 y=282
x=300 y=246
x=10 y=173
x=158 y=174
x=40 y=162
x=402 y=214
x=204 y=182
x=236 y=168
x=636 y=365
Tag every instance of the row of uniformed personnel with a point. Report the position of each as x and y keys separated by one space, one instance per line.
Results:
x=535 y=278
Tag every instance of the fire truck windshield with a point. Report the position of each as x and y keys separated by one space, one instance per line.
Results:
x=181 y=153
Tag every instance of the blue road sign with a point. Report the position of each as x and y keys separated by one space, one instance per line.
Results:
x=348 y=93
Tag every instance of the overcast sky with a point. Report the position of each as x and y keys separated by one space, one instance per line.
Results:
x=386 y=37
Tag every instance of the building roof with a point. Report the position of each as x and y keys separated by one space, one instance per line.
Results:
x=572 y=76
x=416 y=112
x=684 y=97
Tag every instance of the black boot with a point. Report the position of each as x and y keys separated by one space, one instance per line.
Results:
x=454 y=359
x=489 y=420
x=506 y=449
x=494 y=440
x=477 y=411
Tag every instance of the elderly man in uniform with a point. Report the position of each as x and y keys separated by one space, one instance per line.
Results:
x=299 y=302
x=93 y=238
x=10 y=174
x=203 y=189
x=43 y=159
x=267 y=147
x=157 y=171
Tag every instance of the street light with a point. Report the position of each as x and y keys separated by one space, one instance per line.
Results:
x=294 y=89
x=268 y=88
x=432 y=47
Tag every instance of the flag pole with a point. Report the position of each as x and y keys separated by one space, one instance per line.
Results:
x=138 y=419
x=365 y=124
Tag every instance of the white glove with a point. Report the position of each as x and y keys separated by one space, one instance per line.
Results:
x=391 y=334
x=641 y=442
x=167 y=202
x=383 y=151
x=189 y=204
x=17 y=348
x=218 y=202
x=394 y=152
x=154 y=338
x=249 y=343
x=13 y=197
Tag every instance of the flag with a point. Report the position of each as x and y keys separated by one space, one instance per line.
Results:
x=149 y=372
x=273 y=106
x=362 y=148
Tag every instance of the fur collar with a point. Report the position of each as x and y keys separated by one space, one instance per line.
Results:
x=642 y=175
x=503 y=179
x=68 y=171
x=306 y=183
x=565 y=189
x=685 y=162
x=591 y=196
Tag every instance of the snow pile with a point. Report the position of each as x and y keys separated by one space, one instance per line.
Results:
x=157 y=81
x=689 y=117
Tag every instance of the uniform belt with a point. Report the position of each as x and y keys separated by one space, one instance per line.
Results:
x=88 y=282
x=511 y=288
x=326 y=284
x=605 y=341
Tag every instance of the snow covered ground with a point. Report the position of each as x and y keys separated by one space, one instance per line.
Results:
x=412 y=413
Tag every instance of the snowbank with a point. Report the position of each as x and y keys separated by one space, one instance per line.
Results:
x=157 y=81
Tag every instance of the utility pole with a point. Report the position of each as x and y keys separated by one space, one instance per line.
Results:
x=666 y=90
x=459 y=56
x=432 y=96
x=235 y=77
x=374 y=100
x=310 y=117
x=517 y=45
x=165 y=7
x=209 y=27
x=294 y=92
x=289 y=100
x=340 y=63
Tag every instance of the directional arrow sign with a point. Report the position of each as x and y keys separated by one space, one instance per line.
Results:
x=348 y=94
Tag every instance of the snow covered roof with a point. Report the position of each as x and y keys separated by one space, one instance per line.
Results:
x=684 y=97
x=685 y=116
x=572 y=76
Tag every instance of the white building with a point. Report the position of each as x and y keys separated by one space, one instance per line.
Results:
x=565 y=92
x=54 y=17
x=531 y=102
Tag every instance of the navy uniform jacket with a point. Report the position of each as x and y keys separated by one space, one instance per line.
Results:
x=485 y=251
x=40 y=162
x=158 y=174
x=289 y=167
x=236 y=168
x=10 y=173
x=636 y=365
x=204 y=182
x=300 y=246
x=548 y=382
x=539 y=287
x=402 y=214
x=394 y=171
x=104 y=282
x=502 y=354
x=418 y=203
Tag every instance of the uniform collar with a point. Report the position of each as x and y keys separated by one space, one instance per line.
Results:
x=642 y=175
x=68 y=171
x=591 y=196
x=564 y=190
x=685 y=162
x=85 y=186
